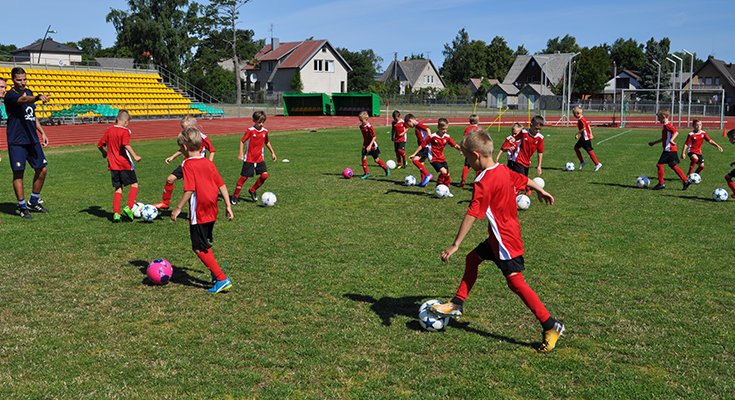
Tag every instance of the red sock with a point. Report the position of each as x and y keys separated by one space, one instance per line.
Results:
x=679 y=172
x=207 y=257
x=730 y=183
x=518 y=285
x=700 y=168
x=168 y=191
x=259 y=182
x=382 y=164
x=447 y=179
x=116 y=200
x=364 y=166
x=402 y=156
x=421 y=167
x=238 y=186
x=132 y=194
x=579 y=155
x=593 y=157
x=691 y=167
x=471 y=262
x=465 y=170
x=660 y=173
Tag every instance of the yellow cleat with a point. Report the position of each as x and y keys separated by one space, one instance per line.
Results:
x=550 y=337
x=446 y=310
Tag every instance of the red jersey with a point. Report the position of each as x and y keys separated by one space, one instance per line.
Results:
x=470 y=129
x=526 y=145
x=667 y=132
x=508 y=145
x=368 y=134
x=399 y=131
x=255 y=141
x=202 y=178
x=206 y=144
x=115 y=139
x=422 y=133
x=695 y=140
x=583 y=125
x=494 y=196
x=436 y=145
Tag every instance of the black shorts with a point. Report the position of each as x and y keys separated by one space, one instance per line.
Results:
x=19 y=154
x=178 y=172
x=669 y=157
x=507 y=267
x=514 y=166
x=423 y=154
x=374 y=153
x=585 y=144
x=439 y=165
x=399 y=146
x=122 y=178
x=250 y=169
x=700 y=158
x=201 y=236
x=731 y=174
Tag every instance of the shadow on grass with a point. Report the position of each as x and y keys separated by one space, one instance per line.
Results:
x=617 y=185
x=98 y=212
x=9 y=208
x=386 y=308
x=180 y=276
x=410 y=192
x=707 y=199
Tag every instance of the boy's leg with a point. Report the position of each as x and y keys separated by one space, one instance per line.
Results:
x=365 y=170
x=701 y=166
x=238 y=186
x=730 y=183
x=579 y=154
x=208 y=259
x=258 y=183
x=116 y=201
x=168 y=188
x=518 y=285
x=382 y=165
x=454 y=307
x=660 y=174
x=420 y=166
x=132 y=195
x=593 y=157
x=465 y=171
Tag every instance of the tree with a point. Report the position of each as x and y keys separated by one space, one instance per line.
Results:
x=567 y=44
x=464 y=59
x=658 y=51
x=698 y=62
x=628 y=54
x=89 y=46
x=296 y=84
x=499 y=58
x=365 y=64
x=592 y=70
x=520 y=51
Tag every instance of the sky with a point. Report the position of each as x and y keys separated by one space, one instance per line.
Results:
x=410 y=26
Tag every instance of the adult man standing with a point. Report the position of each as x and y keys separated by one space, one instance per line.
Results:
x=23 y=143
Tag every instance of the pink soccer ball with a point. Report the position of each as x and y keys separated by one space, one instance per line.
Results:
x=159 y=271
x=347 y=173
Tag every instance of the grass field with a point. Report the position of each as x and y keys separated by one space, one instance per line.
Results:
x=328 y=283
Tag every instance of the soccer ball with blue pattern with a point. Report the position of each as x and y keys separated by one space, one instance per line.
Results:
x=409 y=180
x=268 y=199
x=719 y=194
x=569 y=166
x=642 y=182
x=137 y=209
x=148 y=213
x=429 y=321
x=695 y=178
x=523 y=202
x=441 y=191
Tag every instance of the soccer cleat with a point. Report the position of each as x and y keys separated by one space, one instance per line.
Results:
x=233 y=200
x=450 y=309
x=128 y=212
x=659 y=186
x=365 y=176
x=116 y=218
x=253 y=195
x=221 y=286
x=449 y=194
x=387 y=172
x=25 y=213
x=550 y=337
x=37 y=208
x=581 y=165
x=162 y=205
x=686 y=185
x=426 y=180
x=598 y=166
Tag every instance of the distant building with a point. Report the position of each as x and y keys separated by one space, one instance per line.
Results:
x=626 y=79
x=51 y=53
x=475 y=83
x=714 y=74
x=502 y=95
x=416 y=74
x=540 y=71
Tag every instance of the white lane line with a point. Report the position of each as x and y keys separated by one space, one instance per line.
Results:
x=613 y=137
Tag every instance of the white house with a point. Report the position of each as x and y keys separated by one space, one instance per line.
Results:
x=51 y=53
x=416 y=74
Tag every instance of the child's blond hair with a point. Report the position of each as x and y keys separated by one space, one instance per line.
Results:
x=474 y=119
x=188 y=121
x=478 y=140
x=363 y=115
x=577 y=109
x=664 y=112
x=190 y=139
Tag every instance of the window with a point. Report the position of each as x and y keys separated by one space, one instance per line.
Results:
x=717 y=81
x=316 y=65
x=270 y=67
x=324 y=49
x=429 y=79
x=342 y=86
x=329 y=65
x=269 y=86
x=708 y=81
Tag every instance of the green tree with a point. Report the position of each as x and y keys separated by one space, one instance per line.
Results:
x=567 y=44
x=214 y=80
x=464 y=59
x=592 y=70
x=89 y=46
x=296 y=84
x=698 y=62
x=365 y=65
x=499 y=58
x=658 y=51
x=520 y=51
x=628 y=54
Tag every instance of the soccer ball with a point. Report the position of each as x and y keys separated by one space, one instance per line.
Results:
x=148 y=212
x=347 y=173
x=539 y=181
x=136 y=209
x=159 y=271
x=695 y=178
x=719 y=194
x=409 y=180
x=441 y=191
x=642 y=182
x=429 y=321
x=391 y=164
x=569 y=166
x=523 y=202
x=268 y=199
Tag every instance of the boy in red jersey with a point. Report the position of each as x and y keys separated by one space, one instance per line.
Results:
x=527 y=143
x=115 y=146
x=509 y=145
x=494 y=197
x=584 y=139
x=168 y=188
x=202 y=183
x=398 y=133
x=693 y=146
x=435 y=146
x=422 y=153
x=474 y=123
x=731 y=175
x=369 y=146
x=669 y=155
x=256 y=138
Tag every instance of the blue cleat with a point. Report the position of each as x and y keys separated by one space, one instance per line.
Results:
x=365 y=176
x=221 y=286
x=387 y=172
x=426 y=180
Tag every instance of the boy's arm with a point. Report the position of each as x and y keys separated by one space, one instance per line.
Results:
x=542 y=194
x=176 y=211
x=240 y=154
x=464 y=228
x=211 y=156
x=171 y=158
x=540 y=161
x=132 y=152
x=651 y=143
x=273 y=153
x=713 y=143
x=103 y=151
x=225 y=195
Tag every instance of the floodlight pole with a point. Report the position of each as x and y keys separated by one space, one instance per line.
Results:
x=569 y=92
x=681 y=72
x=615 y=89
x=48 y=30
x=691 y=82
x=673 y=87
x=658 y=83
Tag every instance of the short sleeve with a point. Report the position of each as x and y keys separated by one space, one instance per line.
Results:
x=540 y=146
x=217 y=178
x=11 y=97
x=189 y=177
x=477 y=207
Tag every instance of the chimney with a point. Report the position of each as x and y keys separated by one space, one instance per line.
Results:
x=274 y=43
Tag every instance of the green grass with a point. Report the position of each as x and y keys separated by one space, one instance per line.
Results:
x=328 y=283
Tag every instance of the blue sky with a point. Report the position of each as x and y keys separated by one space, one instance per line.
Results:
x=411 y=26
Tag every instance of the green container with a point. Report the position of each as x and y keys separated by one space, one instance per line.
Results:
x=354 y=103
x=307 y=104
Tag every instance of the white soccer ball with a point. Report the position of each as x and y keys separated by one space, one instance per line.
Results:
x=137 y=207
x=720 y=194
x=539 y=181
x=642 y=182
x=391 y=164
x=569 y=166
x=695 y=178
x=409 y=180
x=441 y=191
x=429 y=321
x=268 y=199
x=148 y=213
x=523 y=202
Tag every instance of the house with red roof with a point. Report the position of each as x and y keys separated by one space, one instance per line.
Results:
x=320 y=67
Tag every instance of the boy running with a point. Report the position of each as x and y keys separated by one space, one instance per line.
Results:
x=693 y=146
x=584 y=139
x=669 y=155
x=527 y=143
x=398 y=133
x=252 y=157
x=474 y=121
x=422 y=135
x=369 y=146
x=436 y=143
x=731 y=175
